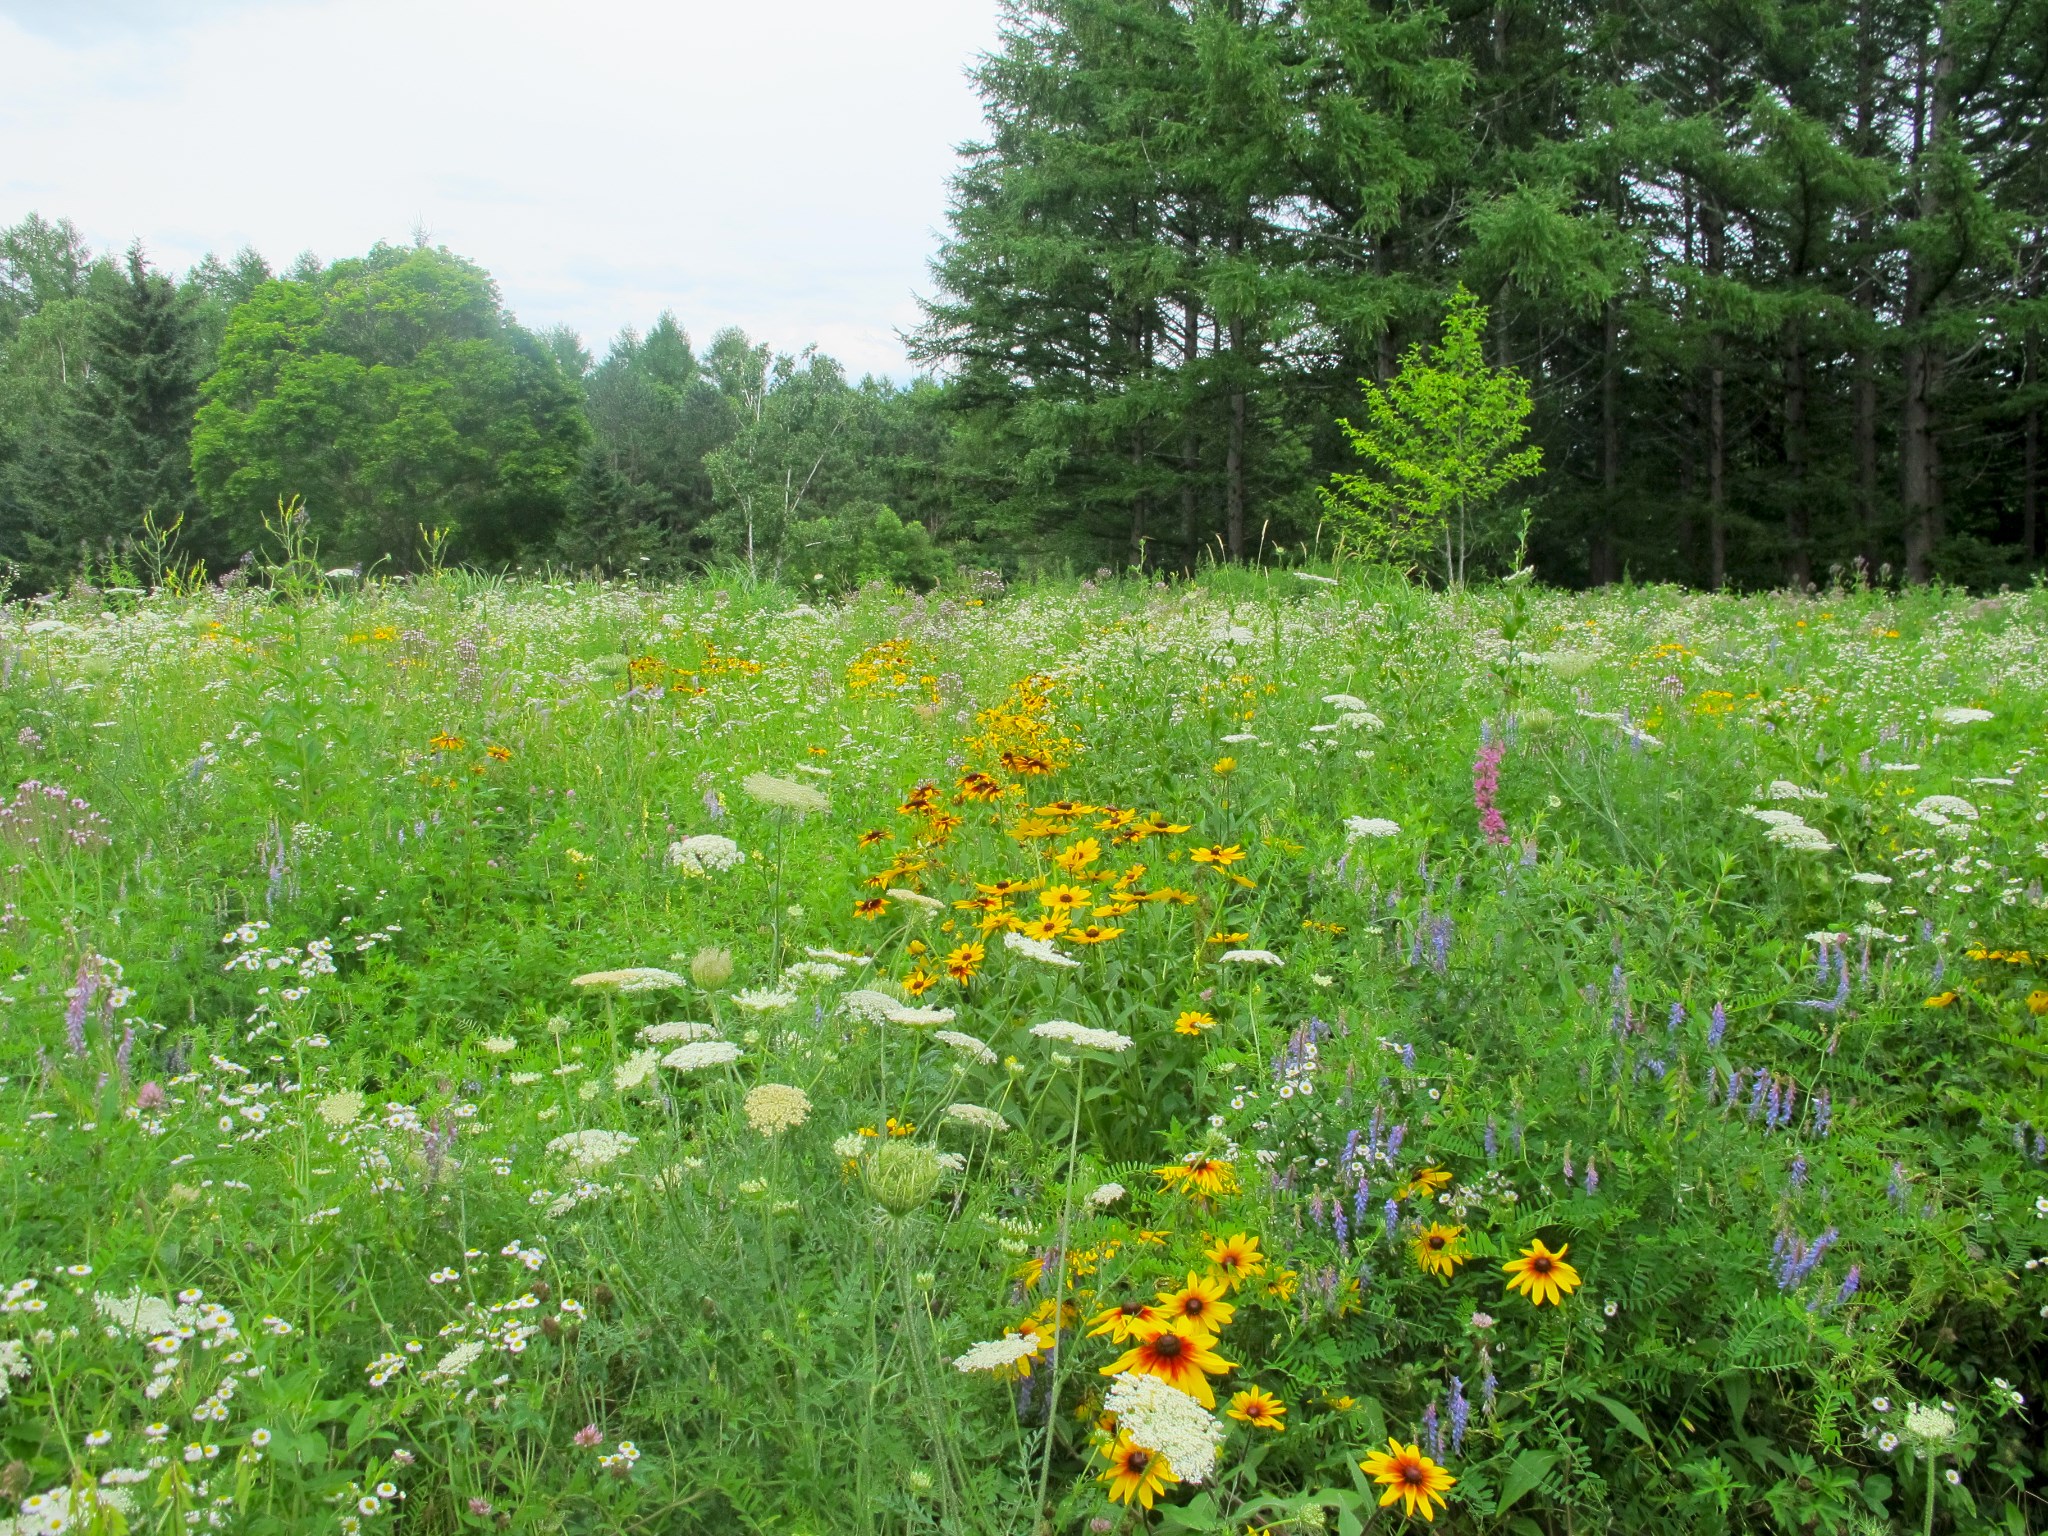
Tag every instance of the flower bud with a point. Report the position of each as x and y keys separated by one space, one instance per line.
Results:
x=901 y=1175
x=711 y=968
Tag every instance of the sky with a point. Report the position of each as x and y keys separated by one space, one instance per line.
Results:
x=779 y=165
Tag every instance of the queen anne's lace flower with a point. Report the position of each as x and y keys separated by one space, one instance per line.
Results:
x=1081 y=1035
x=1105 y=1195
x=639 y=978
x=1356 y=827
x=594 y=1148
x=1168 y=1422
x=773 y=1108
x=783 y=794
x=701 y=1053
x=1041 y=950
x=967 y=1045
x=763 y=1000
x=1957 y=714
x=635 y=1070
x=977 y=1117
x=682 y=1029
x=1249 y=957
x=994 y=1354
x=705 y=853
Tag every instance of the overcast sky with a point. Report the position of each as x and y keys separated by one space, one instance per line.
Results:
x=775 y=164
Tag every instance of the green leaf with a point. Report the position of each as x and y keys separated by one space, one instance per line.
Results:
x=1530 y=1468
x=1625 y=1416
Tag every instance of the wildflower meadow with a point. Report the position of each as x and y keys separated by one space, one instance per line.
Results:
x=1276 y=1052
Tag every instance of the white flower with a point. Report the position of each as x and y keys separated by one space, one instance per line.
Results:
x=1939 y=810
x=866 y=1003
x=639 y=978
x=500 y=1045
x=459 y=1359
x=1785 y=789
x=1362 y=720
x=1165 y=1420
x=916 y=898
x=1790 y=831
x=705 y=853
x=1929 y=1425
x=14 y=1365
x=681 y=1029
x=635 y=1070
x=1249 y=957
x=952 y=1162
x=851 y=1145
x=994 y=1354
x=2041 y=1205
x=967 y=1045
x=524 y=1079
x=763 y=1000
x=1239 y=738
x=1864 y=877
x=813 y=970
x=1311 y=576
x=1343 y=701
x=783 y=794
x=976 y=1117
x=835 y=955
x=775 y=1107
x=340 y=1109
x=1082 y=1035
x=1956 y=714
x=593 y=1149
x=919 y=1018
x=701 y=1053
x=1356 y=827
x=139 y=1316
x=1041 y=950
x=1105 y=1195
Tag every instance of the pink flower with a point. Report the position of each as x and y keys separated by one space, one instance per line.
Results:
x=479 y=1506
x=588 y=1436
x=149 y=1096
x=1485 y=785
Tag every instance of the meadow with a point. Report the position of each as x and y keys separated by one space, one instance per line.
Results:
x=1277 y=1052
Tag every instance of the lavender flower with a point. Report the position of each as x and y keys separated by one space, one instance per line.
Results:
x=1408 y=1058
x=1343 y=1229
x=1851 y=1283
x=1394 y=1141
x=1393 y=1214
x=1492 y=1140
x=1461 y=1414
x=1895 y=1191
x=1433 y=1430
x=1798 y=1173
x=1718 y=1027
x=1592 y=1177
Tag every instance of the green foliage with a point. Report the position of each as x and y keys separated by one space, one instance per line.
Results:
x=379 y=388
x=1440 y=437
x=292 y=968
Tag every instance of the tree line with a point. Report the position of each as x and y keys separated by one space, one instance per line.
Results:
x=1771 y=269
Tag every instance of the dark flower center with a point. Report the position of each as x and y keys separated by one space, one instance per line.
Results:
x=1167 y=1345
x=1435 y=1243
x=1412 y=1474
x=1137 y=1461
x=1539 y=1266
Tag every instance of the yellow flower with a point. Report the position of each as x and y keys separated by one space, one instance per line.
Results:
x=499 y=754
x=1192 y=1022
x=871 y=907
x=1939 y=1000
x=920 y=981
x=1092 y=933
x=1411 y=1479
x=1135 y=1473
x=963 y=962
x=1236 y=1258
x=1178 y=1352
x=1542 y=1275
x=1204 y=1177
x=1044 y=927
x=1223 y=765
x=1117 y=1322
x=2037 y=1002
x=1079 y=856
x=1259 y=1408
x=1064 y=898
x=1200 y=1302
x=1436 y=1250
x=1427 y=1181
x=443 y=742
x=1218 y=855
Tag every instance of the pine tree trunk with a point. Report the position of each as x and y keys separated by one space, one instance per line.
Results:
x=1233 y=458
x=1798 y=527
x=1601 y=563
x=2030 y=454
x=1919 y=453
x=1717 y=479
x=1138 y=501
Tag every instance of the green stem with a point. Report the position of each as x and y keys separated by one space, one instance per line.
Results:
x=1927 y=1519
x=1059 y=1309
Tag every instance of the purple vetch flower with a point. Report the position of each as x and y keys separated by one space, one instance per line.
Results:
x=2040 y=1147
x=1570 y=1170
x=1394 y=1138
x=1820 y=962
x=1350 y=1149
x=1734 y=1088
x=82 y=992
x=1711 y=1087
x=1408 y=1058
x=1315 y=1209
x=1393 y=1214
x=1940 y=969
x=1343 y=1230
x=711 y=806
x=1718 y=1027
x=1773 y=1104
x=1433 y=1430
x=1851 y=1283
x=1492 y=1140
x=1528 y=853
x=1440 y=945
x=1798 y=1172
x=1515 y=1137
x=1756 y=1097
x=1360 y=1200
x=1461 y=1414
x=1895 y=1191
x=1677 y=1018
x=1489 y=1388
x=1592 y=1177
x=1823 y=1112
x=123 y=1054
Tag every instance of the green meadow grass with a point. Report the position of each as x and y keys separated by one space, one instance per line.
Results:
x=335 y=1202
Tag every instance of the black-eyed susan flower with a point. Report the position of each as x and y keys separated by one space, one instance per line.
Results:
x=1200 y=1302
x=1078 y=856
x=1939 y=1000
x=872 y=836
x=1192 y=1022
x=1178 y=1352
x=1542 y=1275
x=1218 y=855
x=1064 y=898
x=871 y=907
x=441 y=741
x=1437 y=1250
x=1091 y=933
x=1411 y=1479
x=498 y=754
x=1004 y=889
x=2037 y=1002
x=1044 y=927
x=1259 y=1408
x=1427 y=1181
x=1066 y=809
x=1115 y=1323
x=1204 y=1177
x=920 y=981
x=1135 y=1473
x=963 y=962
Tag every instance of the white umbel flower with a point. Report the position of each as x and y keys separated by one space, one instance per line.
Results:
x=1343 y=701
x=1956 y=714
x=763 y=1000
x=639 y=978
x=1941 y=810
x=1041 y=950
x=635 y=1070
x=1070 y=1033
x=799 y=800
x=977 y=1118
x=974 y=1050
x=1249 y=957
x=1103 y=1196
x=1785 y=789
x=1169 y=1423
x=1356 y=827
x=701 y=1053
x=680 y=1029
x=773 y=1108
x=705 y=853
x=994 y=1354
x=593 y=1149
x=866 y=1003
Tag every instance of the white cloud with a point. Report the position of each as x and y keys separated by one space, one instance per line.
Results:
x=779 y=165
